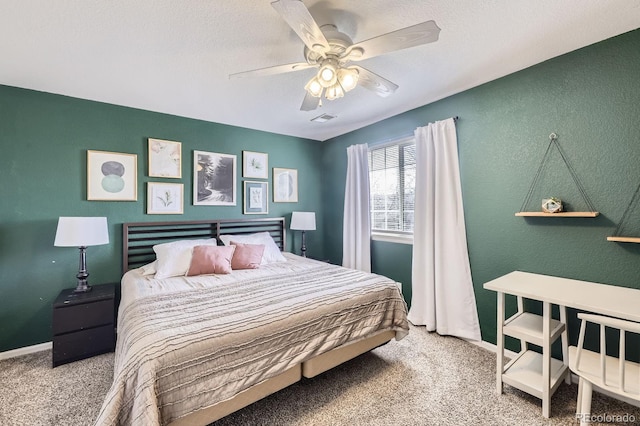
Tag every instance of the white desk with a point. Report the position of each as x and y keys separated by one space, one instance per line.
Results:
x=543 y=380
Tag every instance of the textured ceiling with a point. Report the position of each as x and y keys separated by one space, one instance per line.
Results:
x=175 y=56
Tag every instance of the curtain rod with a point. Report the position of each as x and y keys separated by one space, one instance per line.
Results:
x=397 y=138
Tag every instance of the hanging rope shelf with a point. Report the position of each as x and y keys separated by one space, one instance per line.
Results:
x=625 y=216
x=592 y=213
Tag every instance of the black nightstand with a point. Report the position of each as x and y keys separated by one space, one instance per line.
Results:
x=83 y=324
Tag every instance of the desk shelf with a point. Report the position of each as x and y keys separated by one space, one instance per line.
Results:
x=525 y=373
x=528 y=327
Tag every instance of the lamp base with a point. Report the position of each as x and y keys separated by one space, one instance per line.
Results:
x=82 y=288
x=82 y=276
x=303 y=249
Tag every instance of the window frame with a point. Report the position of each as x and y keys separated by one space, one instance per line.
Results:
x=393 y=236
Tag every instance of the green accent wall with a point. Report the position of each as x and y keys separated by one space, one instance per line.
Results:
x=591 y=99
x=44 y=140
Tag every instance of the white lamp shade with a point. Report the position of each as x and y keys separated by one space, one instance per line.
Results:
x=81 y=232
x=303 y=221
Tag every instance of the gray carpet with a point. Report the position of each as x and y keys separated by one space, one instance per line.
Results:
x=425 y=379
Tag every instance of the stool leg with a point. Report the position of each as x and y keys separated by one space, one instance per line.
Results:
x=587 y=390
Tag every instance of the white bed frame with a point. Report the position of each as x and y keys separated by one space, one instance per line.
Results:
x=138 y=239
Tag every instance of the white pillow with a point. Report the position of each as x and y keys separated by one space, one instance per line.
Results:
x=173 y=259
x=271 y=251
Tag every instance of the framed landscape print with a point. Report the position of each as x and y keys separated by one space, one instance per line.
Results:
x=256 y=197
x=165 y=198
x=285 y=185
x=214 y=179
x=255 y=165
x=165 y=158
x=112 y=176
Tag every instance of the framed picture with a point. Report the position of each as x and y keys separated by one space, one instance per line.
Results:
x=214 y=179
x=285 y=185
x=112 y=176
x=256 y=197
x=165 y=198
x=165 y=158
x=255 y=165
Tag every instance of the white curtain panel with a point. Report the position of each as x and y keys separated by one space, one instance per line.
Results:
x=442 y=290
x=356 y=242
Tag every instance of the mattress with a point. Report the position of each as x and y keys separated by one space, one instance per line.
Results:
x=185 y=343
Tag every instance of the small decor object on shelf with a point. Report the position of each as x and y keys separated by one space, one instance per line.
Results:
x=551 y=205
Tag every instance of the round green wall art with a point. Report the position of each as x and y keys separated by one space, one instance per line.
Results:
x=112 y=183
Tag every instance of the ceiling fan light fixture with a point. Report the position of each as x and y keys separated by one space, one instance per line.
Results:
x=314 y=87
x=348 y=78
x=328 y=73
x=334 y=92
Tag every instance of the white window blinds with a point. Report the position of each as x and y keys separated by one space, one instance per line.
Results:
x=392 y=176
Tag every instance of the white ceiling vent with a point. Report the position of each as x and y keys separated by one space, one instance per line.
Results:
x=323 y=118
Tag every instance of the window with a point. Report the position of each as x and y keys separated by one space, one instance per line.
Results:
x=392 y=178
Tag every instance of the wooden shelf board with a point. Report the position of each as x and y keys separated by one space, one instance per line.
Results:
x=561 y=214
x=624 y=239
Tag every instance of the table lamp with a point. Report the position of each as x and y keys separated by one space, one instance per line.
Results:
x=82 y=232
x=303 y=221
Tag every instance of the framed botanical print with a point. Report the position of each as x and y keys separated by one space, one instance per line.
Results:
x=255 y=165
x=256 y=197
x=285 y=185
x=165 y=158
x=112 y=176
x=165 y=198
x=214 y=179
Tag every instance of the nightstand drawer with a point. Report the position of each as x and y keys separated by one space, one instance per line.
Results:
x=79 y=317
x=83 y=344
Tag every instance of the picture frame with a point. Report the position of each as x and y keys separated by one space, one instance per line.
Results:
x=165 y=158
x=165 y=198
x=285 y=185
x=255 y=165
x=112 y=176
x=214 y=179
x=256 y=197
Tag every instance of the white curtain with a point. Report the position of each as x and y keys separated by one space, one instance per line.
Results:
x=356 y=242
x=442 y=290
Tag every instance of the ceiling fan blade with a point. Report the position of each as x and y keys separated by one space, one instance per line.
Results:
x=415 y=35
x=309 y=103
x=372 y=81
x=296 y=14
x=272 y=70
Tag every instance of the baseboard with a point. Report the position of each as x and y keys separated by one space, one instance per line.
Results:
x=492 y=348
x=26 y=350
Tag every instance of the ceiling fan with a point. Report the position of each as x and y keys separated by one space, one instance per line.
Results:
x=330 y=51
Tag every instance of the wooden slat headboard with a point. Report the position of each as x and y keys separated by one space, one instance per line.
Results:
x=138 y=238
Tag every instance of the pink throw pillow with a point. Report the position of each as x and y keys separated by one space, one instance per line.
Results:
x=246 y=256
x=211 y=260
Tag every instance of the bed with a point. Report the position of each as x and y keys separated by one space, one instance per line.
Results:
x=191 y=350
